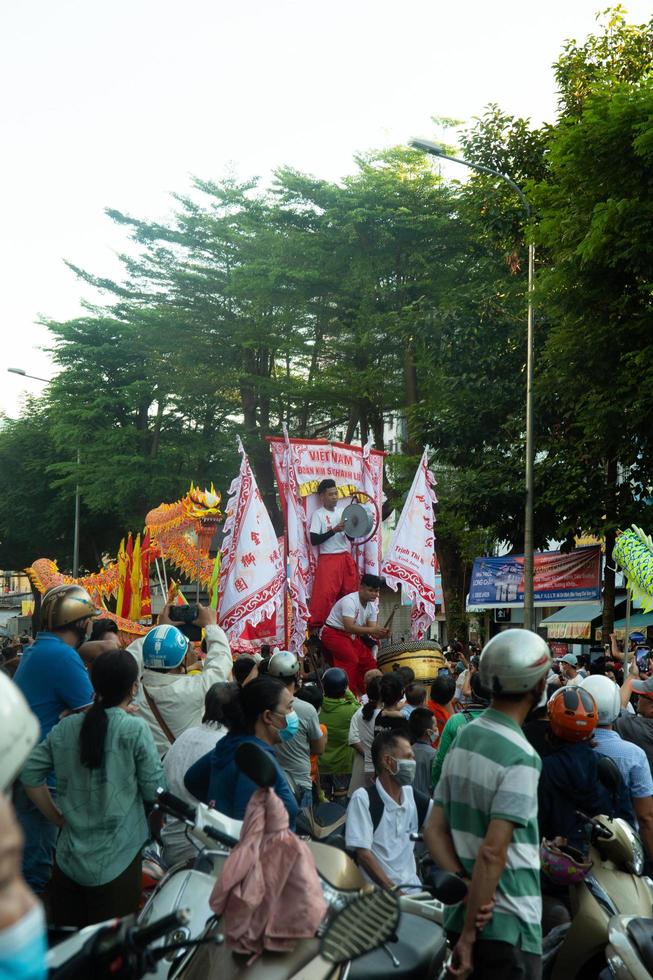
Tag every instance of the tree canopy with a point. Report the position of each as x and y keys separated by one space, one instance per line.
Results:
x=333 y=307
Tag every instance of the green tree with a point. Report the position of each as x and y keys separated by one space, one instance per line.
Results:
x=36 y=518
x=596 y=222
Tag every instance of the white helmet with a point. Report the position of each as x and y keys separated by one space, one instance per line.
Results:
x=514 y=662
x=19 y=731
x=607 y=696
x=284 y=665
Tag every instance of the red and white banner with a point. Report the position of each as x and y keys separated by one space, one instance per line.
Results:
x=410 y=559
x=299 y=465
x=301 y=557
x=252 y=579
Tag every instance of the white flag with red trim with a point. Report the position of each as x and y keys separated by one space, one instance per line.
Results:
x=301 y=557
x=251 y=587
x=410 y=559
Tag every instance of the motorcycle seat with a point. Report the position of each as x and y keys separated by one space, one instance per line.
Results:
x=420 y=948
x=641 y=932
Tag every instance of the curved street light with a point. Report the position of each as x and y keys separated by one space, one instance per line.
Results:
x=435 y=149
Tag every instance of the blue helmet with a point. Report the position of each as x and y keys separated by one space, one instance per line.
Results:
x=165 y=647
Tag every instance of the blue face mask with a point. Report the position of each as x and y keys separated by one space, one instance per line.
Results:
x=292 y=727
x=23 y=948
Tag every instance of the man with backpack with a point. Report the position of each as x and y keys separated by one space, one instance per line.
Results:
x=381 y=817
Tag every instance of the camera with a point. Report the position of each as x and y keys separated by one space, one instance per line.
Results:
x=184 y=614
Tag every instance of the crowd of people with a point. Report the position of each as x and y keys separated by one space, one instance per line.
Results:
x=498 y=752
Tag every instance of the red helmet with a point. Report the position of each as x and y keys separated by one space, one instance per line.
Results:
x=573 y=714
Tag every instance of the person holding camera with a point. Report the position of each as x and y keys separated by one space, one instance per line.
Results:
x=569 y=670
x=171 y=699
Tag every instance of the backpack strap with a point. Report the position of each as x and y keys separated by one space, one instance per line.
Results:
x=422 y=803
x=376 y=806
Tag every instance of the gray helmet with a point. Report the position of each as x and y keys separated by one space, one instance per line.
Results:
x=514 y=662
x=63 y=605
x=284 y=665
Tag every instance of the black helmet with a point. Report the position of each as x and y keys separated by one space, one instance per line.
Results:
x=334 y=682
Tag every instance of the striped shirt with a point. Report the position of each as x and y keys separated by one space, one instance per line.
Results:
x=492 y=772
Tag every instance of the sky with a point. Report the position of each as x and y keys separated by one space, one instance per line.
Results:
x=118 y=104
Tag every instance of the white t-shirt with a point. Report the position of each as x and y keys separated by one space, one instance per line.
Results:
x=363 y=731
x=351 y=605
x=187 y=749
x=390 y=843
x=324 y=520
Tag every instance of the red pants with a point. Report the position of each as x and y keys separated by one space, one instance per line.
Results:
x=352 y=655
x=336 y=575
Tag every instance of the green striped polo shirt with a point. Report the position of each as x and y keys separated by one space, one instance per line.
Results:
x=491 y=772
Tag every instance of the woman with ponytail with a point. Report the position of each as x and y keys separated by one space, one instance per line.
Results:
x=106 y=768
x=259 y=712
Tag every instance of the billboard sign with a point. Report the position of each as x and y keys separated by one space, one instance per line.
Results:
x=559 y=578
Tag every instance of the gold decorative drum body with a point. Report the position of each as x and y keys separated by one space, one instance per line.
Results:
x=425 y=657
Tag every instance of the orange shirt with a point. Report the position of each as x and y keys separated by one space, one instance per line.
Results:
x=441 y=713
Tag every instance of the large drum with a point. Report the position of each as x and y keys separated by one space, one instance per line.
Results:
x=425 y=657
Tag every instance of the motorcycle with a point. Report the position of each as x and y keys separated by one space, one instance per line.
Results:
x=194 y=948
x=416 y=950
x=629 y=952
x=323 y=822
x=119 y=950
x=615 y=886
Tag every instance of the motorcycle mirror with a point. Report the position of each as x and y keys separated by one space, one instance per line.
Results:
x=609 y=775
x=447 y=888
x=256 y=765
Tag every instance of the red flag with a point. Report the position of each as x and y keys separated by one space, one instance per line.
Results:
x=146 y=558
x=127 y=594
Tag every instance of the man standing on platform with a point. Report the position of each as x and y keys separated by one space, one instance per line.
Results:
x=351 y=621
x=336 y=574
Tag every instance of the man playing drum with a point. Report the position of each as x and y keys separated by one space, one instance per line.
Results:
x=352 y=620
x=336 y=574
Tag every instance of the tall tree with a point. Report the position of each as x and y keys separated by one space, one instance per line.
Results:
x=596 y=221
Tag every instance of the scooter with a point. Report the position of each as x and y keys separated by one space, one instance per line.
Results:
x=629 y=952
x=615 y=886
x=417 y=949
x=412 y=948
x=119 y=950
x=323 y=822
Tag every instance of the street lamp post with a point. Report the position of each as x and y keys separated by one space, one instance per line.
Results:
x=35 y=377
x=529 y=612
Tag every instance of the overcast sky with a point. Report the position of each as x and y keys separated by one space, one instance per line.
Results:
x=116 y=104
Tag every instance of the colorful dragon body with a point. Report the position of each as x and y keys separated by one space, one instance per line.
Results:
x=633 y=551
x=180 y=532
